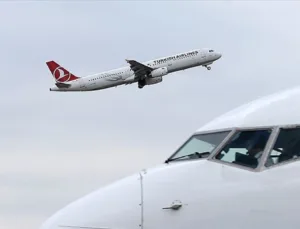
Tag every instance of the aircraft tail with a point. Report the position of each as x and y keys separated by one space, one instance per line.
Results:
x=60 y=74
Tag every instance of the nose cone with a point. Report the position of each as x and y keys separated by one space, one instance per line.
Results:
x=115 y=206
x=218 y=55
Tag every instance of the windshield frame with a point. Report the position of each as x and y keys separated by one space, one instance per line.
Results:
x=229 y=134
x=275 y=130
x=272 y=138
x=276 y=135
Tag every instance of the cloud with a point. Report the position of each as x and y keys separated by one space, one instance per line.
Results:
x=25 y=222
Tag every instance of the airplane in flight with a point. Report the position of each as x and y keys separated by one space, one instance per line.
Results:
x=238 y=171
x=147 y=73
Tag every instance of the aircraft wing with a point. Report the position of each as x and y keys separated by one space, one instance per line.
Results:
x=140 y=70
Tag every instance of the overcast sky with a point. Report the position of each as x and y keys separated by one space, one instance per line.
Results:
x=57 y=147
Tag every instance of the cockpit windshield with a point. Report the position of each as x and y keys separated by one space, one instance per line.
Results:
x=199 y=146
x=245 y=148
x=286 y=147
x=211 y=50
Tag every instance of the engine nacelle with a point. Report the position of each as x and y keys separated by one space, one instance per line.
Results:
x=149 y=81
x=159 y=72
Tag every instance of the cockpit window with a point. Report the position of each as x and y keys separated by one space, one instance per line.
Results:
x=211 y=50
x=245 y=148
x=286 y=147
x=199 y=146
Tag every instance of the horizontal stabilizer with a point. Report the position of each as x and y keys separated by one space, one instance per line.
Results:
x=62 y=85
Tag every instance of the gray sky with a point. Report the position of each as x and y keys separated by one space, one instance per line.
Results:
x=56 y=147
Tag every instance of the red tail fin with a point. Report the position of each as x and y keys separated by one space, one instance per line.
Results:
x=59 y=73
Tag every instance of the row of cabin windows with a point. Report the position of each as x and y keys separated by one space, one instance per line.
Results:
x=244 y=148
x=104 y=76
x=147 y=64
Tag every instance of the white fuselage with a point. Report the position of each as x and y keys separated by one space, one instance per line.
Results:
x=212 y=195
x=125 y=75
x=214 y=192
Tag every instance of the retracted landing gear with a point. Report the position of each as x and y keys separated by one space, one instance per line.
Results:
x=141 y=83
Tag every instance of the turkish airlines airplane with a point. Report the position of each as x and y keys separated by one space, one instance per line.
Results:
x=147 y=73
x=238 y=171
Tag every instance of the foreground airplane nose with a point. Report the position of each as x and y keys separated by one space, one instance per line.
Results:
x=218 y=55
x=115 y=206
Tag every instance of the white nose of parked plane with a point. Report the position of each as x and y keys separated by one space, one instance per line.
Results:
x=115 y=206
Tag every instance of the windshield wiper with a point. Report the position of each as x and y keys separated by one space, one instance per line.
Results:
x=200 y=155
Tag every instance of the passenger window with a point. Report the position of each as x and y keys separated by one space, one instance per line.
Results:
x=245 y=148
x=286 y=147
x=199 y=146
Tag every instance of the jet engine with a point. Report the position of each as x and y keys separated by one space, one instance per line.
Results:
x=159 y=72
x=154 y=77
x=149 y=81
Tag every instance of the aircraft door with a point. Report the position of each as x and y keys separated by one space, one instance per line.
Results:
x=201 y=58
x=203 y=55
x=82 y=84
